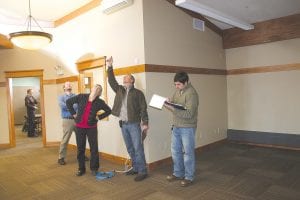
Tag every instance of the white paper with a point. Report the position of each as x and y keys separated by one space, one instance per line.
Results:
x=157 y=101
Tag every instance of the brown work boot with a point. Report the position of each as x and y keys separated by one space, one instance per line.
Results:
x=185 y=182
x=174 y=178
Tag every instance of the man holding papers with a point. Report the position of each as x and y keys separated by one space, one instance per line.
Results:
x=184 y=128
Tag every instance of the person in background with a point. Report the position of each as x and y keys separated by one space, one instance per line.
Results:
x=31 y=106
x=68 y=122
x=183 y=129
x=86 y=120
x=131 y=108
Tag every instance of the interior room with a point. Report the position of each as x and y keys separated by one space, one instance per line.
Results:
x=242 y=58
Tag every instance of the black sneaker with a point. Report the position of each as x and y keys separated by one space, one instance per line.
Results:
x=80 y=172
x=61 y=161
x=140 y=177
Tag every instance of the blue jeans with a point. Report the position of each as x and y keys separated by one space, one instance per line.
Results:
x=183 y=152
x=132 y=137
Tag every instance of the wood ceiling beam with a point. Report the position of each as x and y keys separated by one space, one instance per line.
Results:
x=5 y=43
x=283 y=28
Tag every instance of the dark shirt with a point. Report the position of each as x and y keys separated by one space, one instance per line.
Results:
x=30 y=102
x=81 y=100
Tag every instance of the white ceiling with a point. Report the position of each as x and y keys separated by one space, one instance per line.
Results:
x=46 y=10
x=250 y=11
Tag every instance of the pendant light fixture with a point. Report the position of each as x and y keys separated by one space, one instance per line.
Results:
x=31 y=40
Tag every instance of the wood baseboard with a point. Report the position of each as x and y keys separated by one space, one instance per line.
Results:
x=267 y=145
x=5 y=146
x=52 y=144
x=154 y=165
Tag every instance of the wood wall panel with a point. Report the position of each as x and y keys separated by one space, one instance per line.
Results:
x=60 y=80
x=264 y=69
x=24 y=73
x=189 y=70
x=268 y=31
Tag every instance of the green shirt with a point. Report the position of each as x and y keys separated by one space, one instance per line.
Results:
x=187 y=97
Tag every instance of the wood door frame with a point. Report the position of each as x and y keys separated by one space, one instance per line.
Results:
x=23 y=74
x=99 y=62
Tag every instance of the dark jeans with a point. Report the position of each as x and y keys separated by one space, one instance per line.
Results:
x=30 y=122
x=92 y=135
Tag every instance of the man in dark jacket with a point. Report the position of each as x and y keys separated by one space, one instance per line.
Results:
x=86 y=125
x=131 y=108
x=31 y=106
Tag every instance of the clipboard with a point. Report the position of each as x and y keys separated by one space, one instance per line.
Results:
x=159 y=101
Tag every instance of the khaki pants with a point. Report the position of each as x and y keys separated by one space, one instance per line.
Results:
x=68 y=128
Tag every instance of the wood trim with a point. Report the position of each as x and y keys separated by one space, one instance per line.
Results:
x=65 y=79
x=60 y=80
x=24 y=73
x=208 y=24
x=52 y=144
x=2 y=84
x=11 y=128
x=20 y=74
x=264 y=69
x=266 y=145
x=283 y=28
x=129 y=70
x=49 y=82
x=89 y=6
x=189 y=70
x=91 y=64
x=115 y=159
x=5 y=43
x=5 y=146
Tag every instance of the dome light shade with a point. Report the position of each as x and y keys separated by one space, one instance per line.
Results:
x=31 y=40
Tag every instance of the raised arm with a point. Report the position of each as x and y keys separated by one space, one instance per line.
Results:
x=111 y=76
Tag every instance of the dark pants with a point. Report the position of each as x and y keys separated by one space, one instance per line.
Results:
x=92 y=135
x=30 y=122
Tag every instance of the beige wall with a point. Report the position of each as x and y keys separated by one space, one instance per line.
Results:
x=90 y=35
x=264 y=101
x=212 y=112
x=171 y=40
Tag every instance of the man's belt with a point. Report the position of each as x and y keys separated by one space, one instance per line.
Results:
x=68 y=117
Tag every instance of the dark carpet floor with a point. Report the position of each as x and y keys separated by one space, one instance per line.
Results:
x=226 y=172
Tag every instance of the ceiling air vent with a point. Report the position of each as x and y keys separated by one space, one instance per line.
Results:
x=198 y=24
x=110 y=6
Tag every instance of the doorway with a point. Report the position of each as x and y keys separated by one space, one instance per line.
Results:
x=17 y=84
